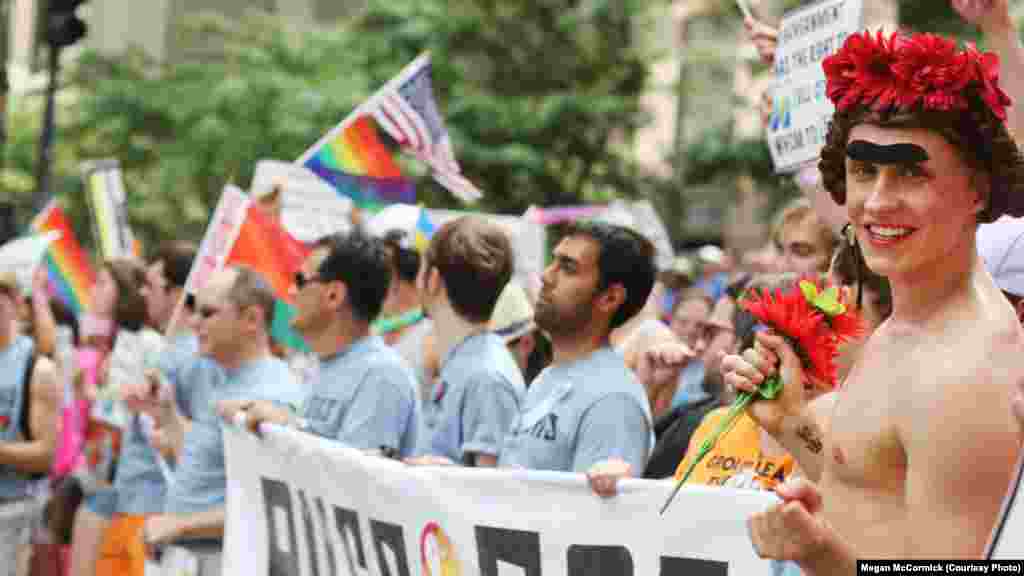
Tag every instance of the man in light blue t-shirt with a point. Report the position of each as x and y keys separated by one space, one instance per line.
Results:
x=364 y=395
x=587 y=406
x=235 y=314
x=474 y=401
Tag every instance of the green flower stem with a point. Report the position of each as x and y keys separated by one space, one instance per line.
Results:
x=769 y=390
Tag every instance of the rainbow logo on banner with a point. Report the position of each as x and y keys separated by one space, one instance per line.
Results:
x=70 y=274
x=424 y=231
x=358 y=165
x=437 y=552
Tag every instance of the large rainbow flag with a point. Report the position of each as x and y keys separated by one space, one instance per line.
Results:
x=70 y=273
x=360 y=166
x=269 y=249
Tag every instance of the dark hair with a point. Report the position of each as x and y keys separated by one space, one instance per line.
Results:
x=361 y=263
x=539 y=358
x=252 y=289
x=475 y=259
x=981 y=138
x=130 y=308
x=404 y=260
x=63 y=316
x=177 y=256
x=850 y=269
x=627 y=258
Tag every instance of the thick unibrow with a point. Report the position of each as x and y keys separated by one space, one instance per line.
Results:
x=901 y=153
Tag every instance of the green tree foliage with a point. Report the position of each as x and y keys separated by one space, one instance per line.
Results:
x=541 y=99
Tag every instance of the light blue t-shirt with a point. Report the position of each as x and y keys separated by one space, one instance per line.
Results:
x=200 y=479
x=580 y=413
x=691 y=385
x=139 y=483
x=474 y=401
x=365 y=397
x=14 y=360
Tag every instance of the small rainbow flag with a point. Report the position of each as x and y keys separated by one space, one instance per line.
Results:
x=424 y=230
x=267 y=248
x=360 y=166
x=71 y=275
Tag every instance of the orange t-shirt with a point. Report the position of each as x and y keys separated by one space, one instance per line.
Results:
x=736 y=450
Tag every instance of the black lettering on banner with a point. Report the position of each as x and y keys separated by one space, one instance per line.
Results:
x=518 y=547
x=390 y=535
x=311 y=541
x=283 y=556
x=347 y=522
x=671 y=566
x=599 y=561
x=328 y=545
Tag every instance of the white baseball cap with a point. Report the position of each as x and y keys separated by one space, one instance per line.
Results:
x=396 y=217
x=1001 y=246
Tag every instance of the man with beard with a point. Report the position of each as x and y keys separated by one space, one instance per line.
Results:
x=587 y=407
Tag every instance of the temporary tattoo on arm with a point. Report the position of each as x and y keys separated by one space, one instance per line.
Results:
x=811 y=438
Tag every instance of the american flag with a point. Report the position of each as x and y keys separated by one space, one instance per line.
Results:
x=406 y=110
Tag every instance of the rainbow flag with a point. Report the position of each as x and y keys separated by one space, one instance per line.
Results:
x=360 y=166
x=267 y=248
x=71 y=275
x=424 y=230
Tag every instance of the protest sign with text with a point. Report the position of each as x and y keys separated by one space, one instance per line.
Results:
x=299 y=505
x=800 y=109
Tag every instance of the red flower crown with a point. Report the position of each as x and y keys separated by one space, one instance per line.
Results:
x=904 y=71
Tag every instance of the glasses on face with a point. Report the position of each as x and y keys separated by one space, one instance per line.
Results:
x=301 y=280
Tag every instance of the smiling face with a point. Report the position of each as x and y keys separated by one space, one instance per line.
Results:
x=913 y=207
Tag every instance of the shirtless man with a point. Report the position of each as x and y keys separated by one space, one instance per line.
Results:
x=912 y=456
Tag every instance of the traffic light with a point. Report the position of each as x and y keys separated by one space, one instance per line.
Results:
x=63 y=26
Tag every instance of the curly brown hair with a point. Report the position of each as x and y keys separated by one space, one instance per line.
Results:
x=980 y=137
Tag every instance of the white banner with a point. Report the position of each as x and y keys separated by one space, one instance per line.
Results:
x=800 y=108
x=299 y=505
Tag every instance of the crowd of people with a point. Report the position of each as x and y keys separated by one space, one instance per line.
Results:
x=613 y=369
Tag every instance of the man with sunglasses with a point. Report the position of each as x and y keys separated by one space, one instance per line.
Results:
x=235 y=314
x=364 y=395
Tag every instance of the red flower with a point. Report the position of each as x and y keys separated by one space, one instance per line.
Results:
x=859 y=73
x=906 y=71
x=816 y=338
x=931 y=70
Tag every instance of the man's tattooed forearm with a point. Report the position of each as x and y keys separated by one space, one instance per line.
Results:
x=810 y=437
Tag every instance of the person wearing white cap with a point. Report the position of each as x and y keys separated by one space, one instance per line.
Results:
x=513 y=321
x=1001 y=247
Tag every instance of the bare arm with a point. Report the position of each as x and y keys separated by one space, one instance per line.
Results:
x=994 y=20
x=44 y=325
x=36 y=456
x=202 y=525
x=804 y=437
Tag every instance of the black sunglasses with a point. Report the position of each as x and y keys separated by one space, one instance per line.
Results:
x=301 y=280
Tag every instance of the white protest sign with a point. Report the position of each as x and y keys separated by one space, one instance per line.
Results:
x=105 y=190
x=800 y=107
x=22 y=255
x=220 y=236
x=300 y=505
x=310 y=207
x=133 y=352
